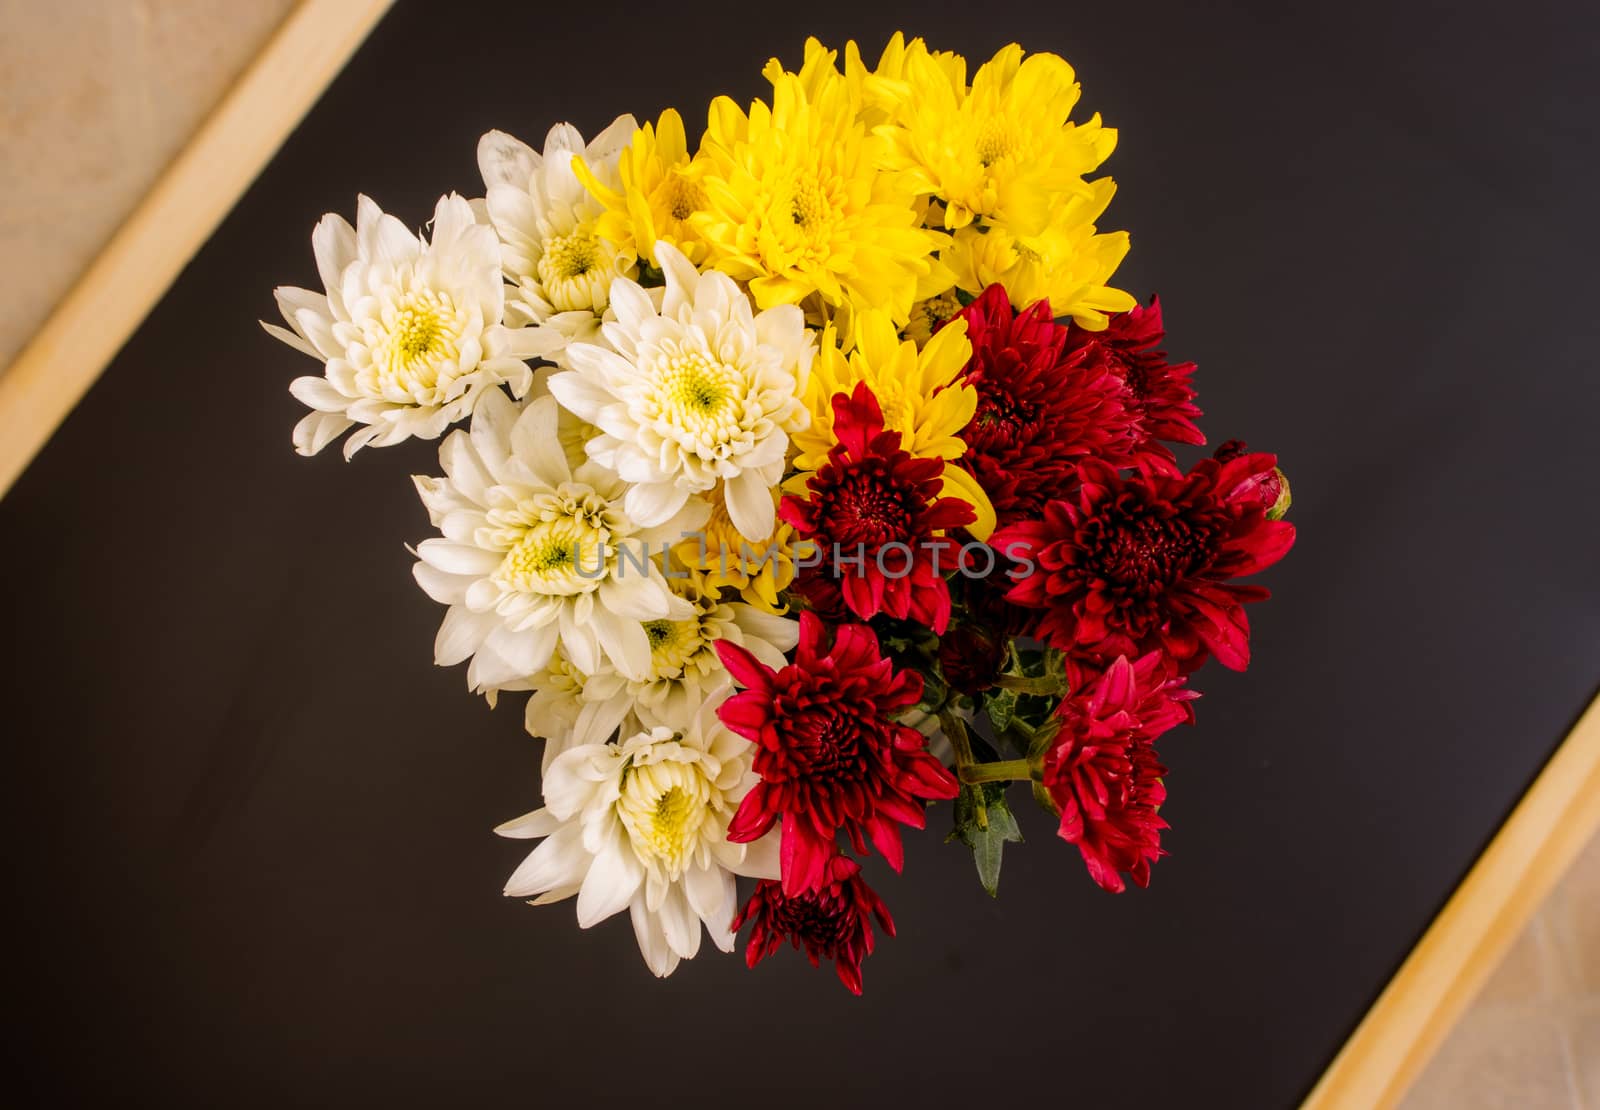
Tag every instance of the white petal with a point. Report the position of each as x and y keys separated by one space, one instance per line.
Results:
x=651 y=503
x=541 y=822
x=459 y=558
x=658 y=955
x=624 y=642
x=505 y=160
x=334 y=243
x=460 y=634
x=750 y=507
x=613 y=879
x=536 y=441
x=558 y=861
x=446 y=589
x=293 y=339
x=680 y=923
x=318 y=429
x=316 y=393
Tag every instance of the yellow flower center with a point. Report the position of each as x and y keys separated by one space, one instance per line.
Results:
x=549 y=557
x=684 y=197
x=570 y=256
x=416 y=332
x=663 y=806
x=673 y=646
x=573 y=271
x=412 y=340
x=695 y=399
x=997 y=138
x=810 y=203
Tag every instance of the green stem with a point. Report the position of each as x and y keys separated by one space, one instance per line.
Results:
x=956 y=729
x=1026 y=684
x=1004 y=770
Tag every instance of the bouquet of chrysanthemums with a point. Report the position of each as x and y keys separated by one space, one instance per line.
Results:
x=807 y=476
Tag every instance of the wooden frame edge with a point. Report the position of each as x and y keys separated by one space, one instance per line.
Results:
x=1418 y=1006
x=130 y=276
x=1488 y=911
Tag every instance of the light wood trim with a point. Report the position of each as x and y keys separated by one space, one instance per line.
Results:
x=179 y=214
x=1466 y=942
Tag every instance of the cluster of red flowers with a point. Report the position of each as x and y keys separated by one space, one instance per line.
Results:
x=1117 y=576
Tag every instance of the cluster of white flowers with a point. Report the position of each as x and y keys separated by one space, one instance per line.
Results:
x=563 y=498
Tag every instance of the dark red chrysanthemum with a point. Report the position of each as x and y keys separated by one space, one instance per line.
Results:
x=830 y=755
x=1157 y=395
x=817 y=588
x=833 y=922
x=1103 y=773
x=876 y=512
x=1145 y=561
x=1042 y=406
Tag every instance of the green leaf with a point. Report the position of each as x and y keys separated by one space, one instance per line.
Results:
x=1001 y=705
x=985 y=824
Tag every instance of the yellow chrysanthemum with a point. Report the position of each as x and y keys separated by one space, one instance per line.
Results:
x=726 y=559
x=799 y=206
x=1001 y=150
x=660 y=191
x=921 y=393
x=1068 y=263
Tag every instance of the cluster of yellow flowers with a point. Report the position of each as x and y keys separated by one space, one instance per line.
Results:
x=884 y=189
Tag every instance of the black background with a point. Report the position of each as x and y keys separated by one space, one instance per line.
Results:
x=249 y=820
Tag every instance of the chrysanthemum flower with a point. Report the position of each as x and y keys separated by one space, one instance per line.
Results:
x=881 y=516
x=1068 y=263
x=921 y=393
x=797 y=204
x=1000 y=149
x=659 y=190
x=410 y=330
x=1158 y=396
x=830 y=755
x=569 y=708
x=1145 y=561
x=553 y=253
x=534 y=553
x=1103 y=773
x=833 y=922
x=760 y=570
x=699 y=393
x=1040 y=406
x=684 y=665
x=642 y=825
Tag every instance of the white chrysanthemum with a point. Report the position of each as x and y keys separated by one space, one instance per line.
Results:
x=684 y=666
x=569 y=708
x=535 y=553
x=547 y=220
x=700 y=391
x=642 y=825
x=410 y=330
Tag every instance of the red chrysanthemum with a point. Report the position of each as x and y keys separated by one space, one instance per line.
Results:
x=830 y=755
x=876 y=512
x=1042 y=406
x=833 y=922
x=1103 y=773
x=1145 y=561
x=1157 y=395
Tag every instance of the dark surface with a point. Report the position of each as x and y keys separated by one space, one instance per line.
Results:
x=250 y=820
